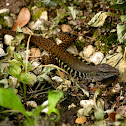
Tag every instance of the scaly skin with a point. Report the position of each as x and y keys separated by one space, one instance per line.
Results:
x=91 y=73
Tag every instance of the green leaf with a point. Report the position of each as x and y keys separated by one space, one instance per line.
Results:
x=119 y=6
x=121 y=32
x=14 y=62
x=49 y=3
x=10 y=51
x=87 y=110
x=29 y=66
x=10 y=100
x=14 y=70
x=46 y=77
x=53 y=98
x=47 y=70
x=73 y=11
x=99 y=114
x=19 y=29
x=99 y=19
x=36 y=112
x=97 y=93
x=18 y=38
x=26 y=78
x=100 y=123
x=123 y=18
x=18 y=57
x=100 y=103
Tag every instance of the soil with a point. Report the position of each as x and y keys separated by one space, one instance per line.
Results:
x=14 y=5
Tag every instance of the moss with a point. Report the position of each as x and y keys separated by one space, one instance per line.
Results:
x=37 y=13
x=2 y=22
x=104 y=42
x=80 y=45
x=38 y=3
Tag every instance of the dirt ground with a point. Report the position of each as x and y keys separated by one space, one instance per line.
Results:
x=14 y=5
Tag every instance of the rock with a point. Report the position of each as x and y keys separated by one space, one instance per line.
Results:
x=71 y=106
x=58 y=41
x=57 y=79
x=13 y=82
x=81 y=54
x=37 y=25
x=85 y=103
x=116 y=88
x=7 y=39
x=45 y=103
x=119 y=49
x=32 y=104
x=2 y=53
x=8 y=21
x=96 y=58
x=44 y=16
x=72 y=49
x=39 y=13
x=88 y=51
x=38 y=70
x=111 y=51
x=1 y=45
x=4 y=11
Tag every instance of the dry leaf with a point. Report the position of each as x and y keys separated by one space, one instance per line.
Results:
x=26 y=30
x=81 y=120
x=66 y=28
x=122 y=68
x=122 y=111
x=112 y=116
x=61 y=74
x=22 y=19
x=35 y=52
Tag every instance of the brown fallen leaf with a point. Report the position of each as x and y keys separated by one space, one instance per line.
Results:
x=61 y=74
x=66 y=28
x=112 y=116
x=81 y=120
x=35 y=52
x=22 y=19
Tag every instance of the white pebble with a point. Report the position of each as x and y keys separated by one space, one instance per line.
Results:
x=7 y=39
x=96 y=58
x=84 y=103
x=2 y=53
x=57 y=79
x=88 y=51
x=8 y=21
x=4 y=11
x=32 y=104
x=72 y=49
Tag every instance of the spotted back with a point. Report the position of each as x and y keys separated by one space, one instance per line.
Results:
x=66 y=38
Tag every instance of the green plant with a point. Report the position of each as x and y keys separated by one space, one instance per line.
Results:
x=18 y=69
x=9 y=99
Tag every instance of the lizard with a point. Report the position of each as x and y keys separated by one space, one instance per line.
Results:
x=69 y=62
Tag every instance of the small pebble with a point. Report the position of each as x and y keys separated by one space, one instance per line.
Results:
x=7 y=39
x=96 y=58
x=88 y=51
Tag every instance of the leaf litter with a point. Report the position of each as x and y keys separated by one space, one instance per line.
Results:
x=100 y=97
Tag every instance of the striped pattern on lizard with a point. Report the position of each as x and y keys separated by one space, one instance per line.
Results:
x=72 y=64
